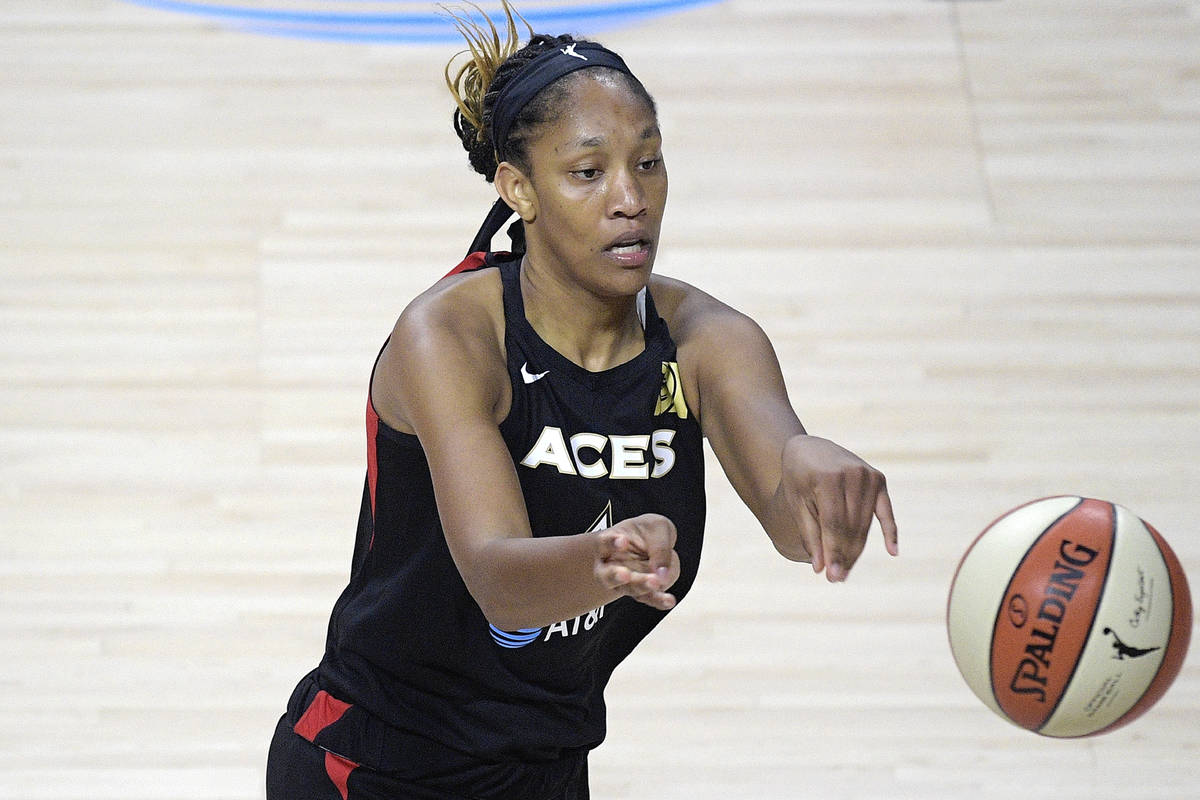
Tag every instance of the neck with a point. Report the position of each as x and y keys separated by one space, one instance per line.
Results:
x=595 y=332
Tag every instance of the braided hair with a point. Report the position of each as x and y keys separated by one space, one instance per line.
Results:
x=490 y=65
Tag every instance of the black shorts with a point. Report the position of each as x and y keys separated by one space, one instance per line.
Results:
x=299 y=770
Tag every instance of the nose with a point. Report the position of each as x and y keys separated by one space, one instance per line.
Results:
x=628 y=198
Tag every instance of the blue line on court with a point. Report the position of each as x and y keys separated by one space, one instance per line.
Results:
x=411 y=27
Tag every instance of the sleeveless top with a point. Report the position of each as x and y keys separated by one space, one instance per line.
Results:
x=414 y=681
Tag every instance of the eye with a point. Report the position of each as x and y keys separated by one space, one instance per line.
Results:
x=588 y=174
x=649 y=164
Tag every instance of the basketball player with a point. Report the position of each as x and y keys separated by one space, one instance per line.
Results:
x=534 y=501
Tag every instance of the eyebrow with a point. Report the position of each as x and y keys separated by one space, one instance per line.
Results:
x=649 y=132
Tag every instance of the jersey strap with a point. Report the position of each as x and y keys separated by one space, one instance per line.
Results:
x=472 y=262
x=497 y=216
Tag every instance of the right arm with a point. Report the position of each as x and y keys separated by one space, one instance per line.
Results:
x=815 y=499
x=442 y=376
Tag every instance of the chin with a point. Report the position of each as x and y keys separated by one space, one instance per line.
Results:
x=628 y=282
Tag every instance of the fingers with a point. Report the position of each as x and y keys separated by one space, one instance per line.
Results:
x=652 y=536
x=844 y=535
x=637 y=558
x=887 y=521
x=809 y=524
x=613 y=544
x=645 y=587
x=846 y=505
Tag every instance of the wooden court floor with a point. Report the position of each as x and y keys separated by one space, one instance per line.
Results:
x=972 y=230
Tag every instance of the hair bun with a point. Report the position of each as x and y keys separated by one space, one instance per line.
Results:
x=478 y=146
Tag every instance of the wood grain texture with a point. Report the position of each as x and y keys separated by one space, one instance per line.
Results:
x=972 y=230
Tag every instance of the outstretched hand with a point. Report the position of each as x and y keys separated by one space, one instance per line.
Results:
x=832 y=496
x=637 y=558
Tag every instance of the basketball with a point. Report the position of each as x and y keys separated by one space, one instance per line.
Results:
x=1069 y=616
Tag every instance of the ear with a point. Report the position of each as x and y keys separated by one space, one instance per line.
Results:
x=516 y=189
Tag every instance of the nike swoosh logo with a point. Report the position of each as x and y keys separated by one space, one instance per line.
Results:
x=529 y=377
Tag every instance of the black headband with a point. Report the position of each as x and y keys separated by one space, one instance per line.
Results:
x=539 y=73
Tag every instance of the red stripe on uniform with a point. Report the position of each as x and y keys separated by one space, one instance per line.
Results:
x=324 y=710
x=339 y=770
x=471 y=262
x=372 y=460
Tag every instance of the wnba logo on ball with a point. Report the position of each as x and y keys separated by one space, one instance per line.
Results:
x=330 y=19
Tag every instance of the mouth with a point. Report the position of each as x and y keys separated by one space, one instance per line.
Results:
x=628 y=247
x=630 y=252
x=630 y=243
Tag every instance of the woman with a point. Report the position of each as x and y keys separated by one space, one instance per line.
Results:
x=534 y=500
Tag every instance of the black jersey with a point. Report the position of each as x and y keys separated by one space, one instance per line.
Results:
x=414 y=680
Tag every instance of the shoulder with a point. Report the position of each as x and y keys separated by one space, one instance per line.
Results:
x=467 y=307
x=696 y=317
x=449 y=339
x=713 y=340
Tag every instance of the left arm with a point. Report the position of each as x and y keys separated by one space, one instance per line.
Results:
x=815 y=499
